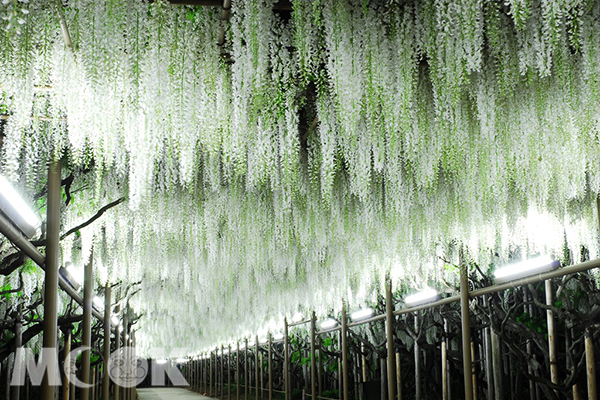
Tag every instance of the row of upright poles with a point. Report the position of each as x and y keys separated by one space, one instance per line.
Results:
x=206 y=373
x=51 y=264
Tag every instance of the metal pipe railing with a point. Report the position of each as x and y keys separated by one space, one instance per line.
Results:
x=23 y=244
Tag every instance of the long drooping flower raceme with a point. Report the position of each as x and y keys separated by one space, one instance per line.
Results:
x=313 y=153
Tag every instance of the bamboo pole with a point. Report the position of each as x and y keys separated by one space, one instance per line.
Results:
x=16 y=389
x=245 y=368
x=93 y=394
x=270 y=366
x=262 y=376
x=313 y=363
x=237 y=372
x=488 y=361
x=210 y=374
x=497 y=366
x=398 y=376
x=256 y=372
x=286 y=368
x=590 y=364
x=473 y=371
x=229 y=372
x=67 y=367
x=417 y=351
x=363 y=362
x=466 y=331
x=389 y=331
x=444 y=368
x=320 y=370
x=117 y=347
x=551 y=333
x=87 y=326
x=125 y=344
x=222 y=377
x=344 y=333
x=51 y=280
x=107 y=328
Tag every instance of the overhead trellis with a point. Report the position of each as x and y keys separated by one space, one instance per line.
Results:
x=332 y=145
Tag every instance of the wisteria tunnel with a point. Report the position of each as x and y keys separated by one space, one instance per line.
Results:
x=299 y=199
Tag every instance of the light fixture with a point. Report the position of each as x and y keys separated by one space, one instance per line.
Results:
x=361 y=314
x=526 y=268
x=73 y=275
x=114 y=320
x=278 y=336
x=328 y=323
x=98 y=303
x=13 y=206
x=423 y=297
x=161 y=361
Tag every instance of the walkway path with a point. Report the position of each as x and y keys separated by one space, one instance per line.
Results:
x=169 y=394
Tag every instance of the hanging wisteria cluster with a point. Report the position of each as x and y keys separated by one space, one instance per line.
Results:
x=311 y=154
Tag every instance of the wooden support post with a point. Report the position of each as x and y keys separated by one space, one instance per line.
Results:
x=444 y=369
x=246 y=376
x=497 y=366
x=417 y=354
x=93 y=382
x=398 y=376
x=237 y=372
x=320 y=369
x=229 y=372
x=363 y=362
x=16 y=389
x=473 y=371
x=210 y=374
x=590 y=364
x=256 y=371
x=107 y=329
x=67 y=367
x=117 y=347
x=222 y=391
x=551 y=333
x=345 y=367
x=466 y=330
x=262 y=375
x=389 y=330
x=270 y=366
x=125 y=344
x=488 y=359
x=313 y=361
x=88 y=294
x=51 y=279
x=286 y=368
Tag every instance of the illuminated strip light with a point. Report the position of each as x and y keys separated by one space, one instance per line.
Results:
x=526 y=268
x=424 y=297
x=15 y=208
x=98 y=303
x=361 y=314
x=72 y=275
x=328 y=324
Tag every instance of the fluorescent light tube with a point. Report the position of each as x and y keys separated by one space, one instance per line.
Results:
x=426 y=296
x=525 y=268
